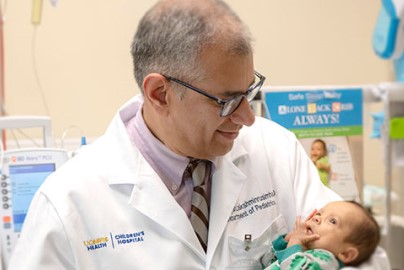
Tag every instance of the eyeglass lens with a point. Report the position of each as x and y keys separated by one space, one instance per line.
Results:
x=231 y=105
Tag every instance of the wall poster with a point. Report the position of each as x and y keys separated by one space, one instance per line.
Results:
x=328 y=123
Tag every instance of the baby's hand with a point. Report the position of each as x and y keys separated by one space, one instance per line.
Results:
x=300 y=235
x=310 y=216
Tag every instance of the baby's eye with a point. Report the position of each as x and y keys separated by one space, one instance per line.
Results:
x=333 y=221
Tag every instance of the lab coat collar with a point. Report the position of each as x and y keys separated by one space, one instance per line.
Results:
x=120 y=142
x=123 y=155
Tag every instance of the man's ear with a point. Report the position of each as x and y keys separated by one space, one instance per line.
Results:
x=155 y=87
x=348 y=254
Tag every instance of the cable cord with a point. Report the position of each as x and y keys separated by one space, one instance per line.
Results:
x=24 y=135
x=2 y=84
x=83 y=140
x=36 y=73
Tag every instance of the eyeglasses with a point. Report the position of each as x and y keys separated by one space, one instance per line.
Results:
x=228 y=105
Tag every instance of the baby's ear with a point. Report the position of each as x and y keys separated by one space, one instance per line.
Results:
x=348 y=255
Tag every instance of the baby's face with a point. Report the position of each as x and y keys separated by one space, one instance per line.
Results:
x=334 y=223
x=317 y=150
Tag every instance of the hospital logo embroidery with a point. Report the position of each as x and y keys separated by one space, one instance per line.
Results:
x=97 y=243
x=127 y=238
x=114 y=240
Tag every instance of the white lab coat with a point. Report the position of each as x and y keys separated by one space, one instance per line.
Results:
x=107 y=208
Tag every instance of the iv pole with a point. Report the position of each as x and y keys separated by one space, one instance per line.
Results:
x=2 y=83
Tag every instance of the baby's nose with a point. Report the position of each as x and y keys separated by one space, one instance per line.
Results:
x=316 y=219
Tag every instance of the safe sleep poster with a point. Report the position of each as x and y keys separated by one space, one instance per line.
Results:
x=332 y=116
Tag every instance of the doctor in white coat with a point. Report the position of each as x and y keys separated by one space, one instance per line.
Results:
x=122 y=202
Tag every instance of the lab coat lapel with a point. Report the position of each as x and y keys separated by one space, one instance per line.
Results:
x=227 y=183
x=162 y=208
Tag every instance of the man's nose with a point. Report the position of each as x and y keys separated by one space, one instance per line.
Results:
x=243 y=115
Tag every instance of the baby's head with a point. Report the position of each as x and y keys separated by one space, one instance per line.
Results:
x=347 y=230
x=318 y=149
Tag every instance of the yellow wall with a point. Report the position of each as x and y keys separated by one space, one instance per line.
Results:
x=80 y=53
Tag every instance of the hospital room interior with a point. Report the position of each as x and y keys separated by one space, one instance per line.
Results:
x=334 y=70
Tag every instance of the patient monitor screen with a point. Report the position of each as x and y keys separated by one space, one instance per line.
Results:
x=22 y=173
x=25 y=181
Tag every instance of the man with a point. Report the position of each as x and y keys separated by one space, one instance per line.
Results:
x=126 y=201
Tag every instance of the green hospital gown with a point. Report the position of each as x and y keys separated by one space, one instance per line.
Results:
x=293 y=258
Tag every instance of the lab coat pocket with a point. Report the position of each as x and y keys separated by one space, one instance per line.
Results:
x=253 y=253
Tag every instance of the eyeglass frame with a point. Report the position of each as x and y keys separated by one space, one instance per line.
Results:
x=223 y=102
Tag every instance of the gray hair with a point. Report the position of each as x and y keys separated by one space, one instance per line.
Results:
x=172 y=35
